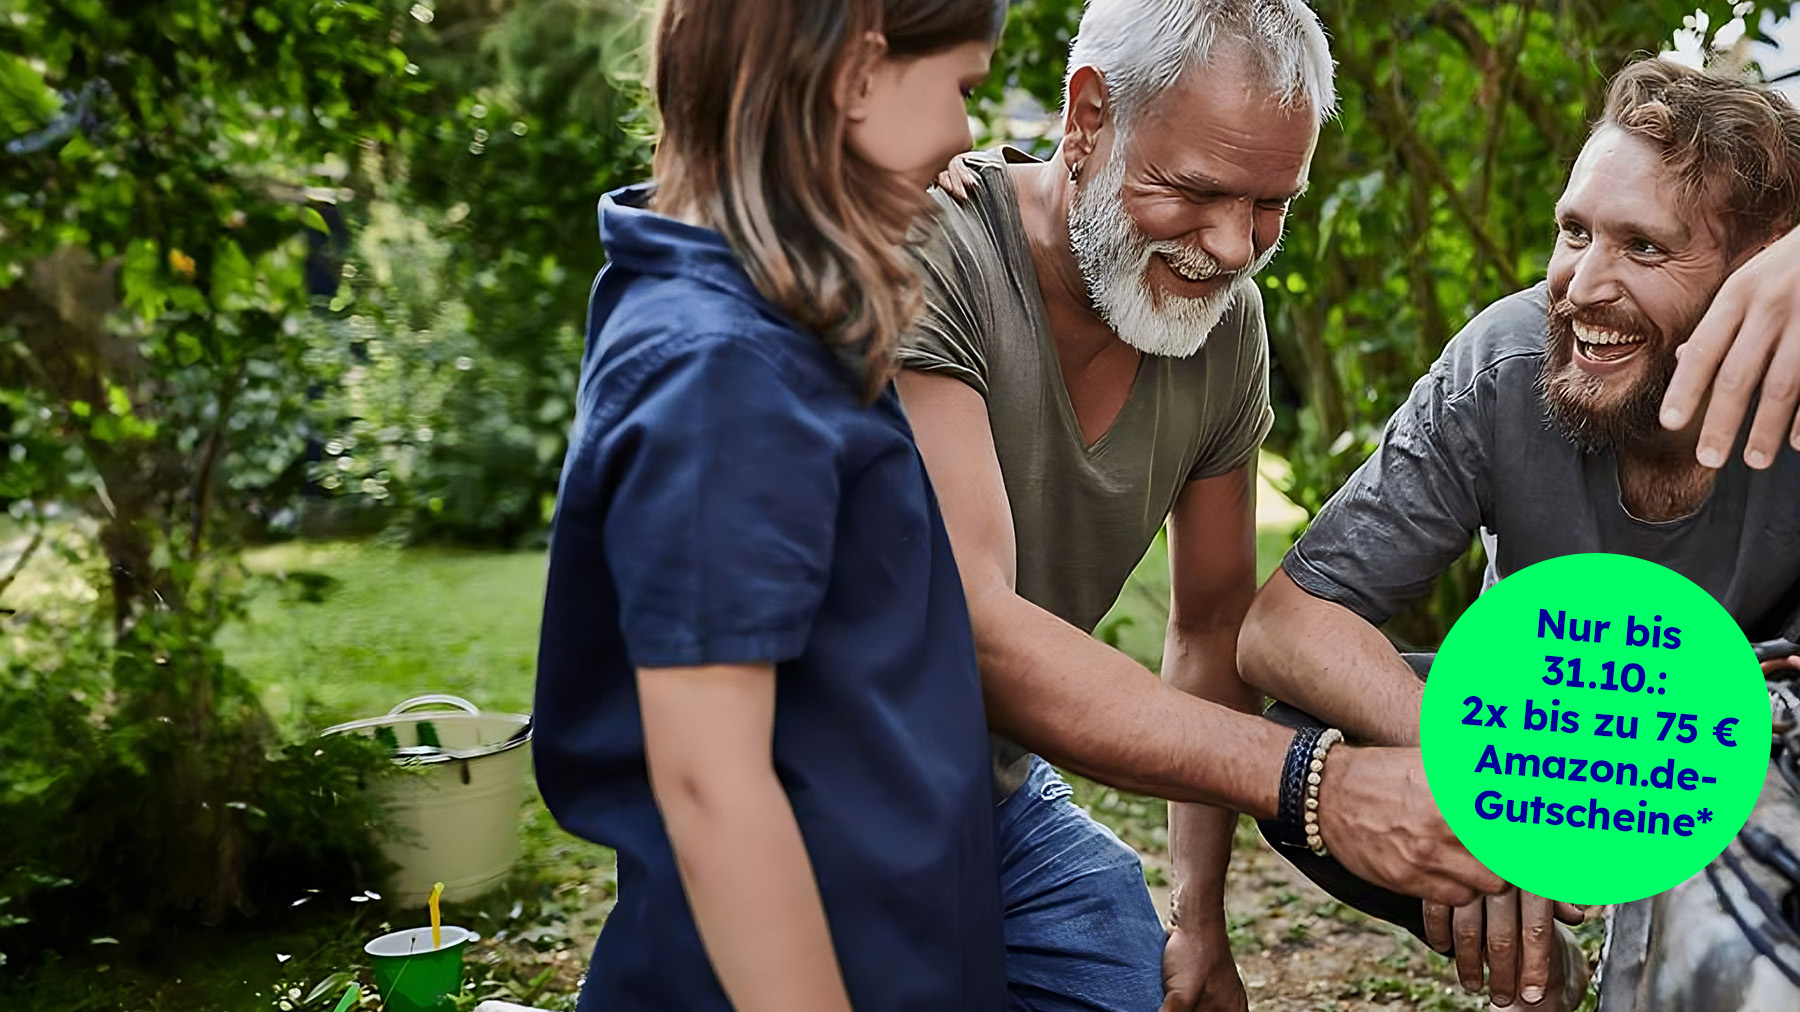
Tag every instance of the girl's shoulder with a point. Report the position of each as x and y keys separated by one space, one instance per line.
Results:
x=663 y=319
x=669 y=356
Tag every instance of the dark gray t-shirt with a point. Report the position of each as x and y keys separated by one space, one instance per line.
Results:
x=1473 y=449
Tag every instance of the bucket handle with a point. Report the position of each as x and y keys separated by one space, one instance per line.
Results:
x=435 y=697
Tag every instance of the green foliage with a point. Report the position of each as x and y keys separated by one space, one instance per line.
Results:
x=469 y=278
x=1430 y=198
x=537 y=932
x=396 y=622
x=1033 y=54
x=177 y=178
x=429 y=426
x=102 y=798
x=1138 y=621
x=166 y=166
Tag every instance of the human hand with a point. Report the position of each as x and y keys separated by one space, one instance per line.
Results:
x=1379 y=821
x=1775 y=665
x=1199 y=974
x=1514 y=932
x=958 y=180
x=1749 y=340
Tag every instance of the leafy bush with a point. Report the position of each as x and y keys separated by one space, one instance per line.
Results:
x=458 y=332
x=115 y=811
x=166 y=164
x=426 y=423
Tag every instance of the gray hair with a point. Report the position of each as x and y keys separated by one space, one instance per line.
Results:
x=1143 y=47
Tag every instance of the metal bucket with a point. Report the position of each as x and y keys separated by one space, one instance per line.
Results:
x=456 y=808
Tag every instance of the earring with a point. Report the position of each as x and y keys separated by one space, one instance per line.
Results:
x=1074 y=171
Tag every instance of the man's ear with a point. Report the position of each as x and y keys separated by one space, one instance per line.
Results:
x=1089 y=111
x=856 y=79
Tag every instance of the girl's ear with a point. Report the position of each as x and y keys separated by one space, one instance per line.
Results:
x=856 y=81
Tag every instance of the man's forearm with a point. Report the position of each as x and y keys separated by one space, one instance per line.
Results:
x=1200 y=850
x=1203 y=663
x=1092 y=710
x=1326 y=660
x=1088 y=708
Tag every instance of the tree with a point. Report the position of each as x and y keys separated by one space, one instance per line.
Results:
x=460 y=418
x=165 y=163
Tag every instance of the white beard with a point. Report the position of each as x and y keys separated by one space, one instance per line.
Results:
x=1114 y=256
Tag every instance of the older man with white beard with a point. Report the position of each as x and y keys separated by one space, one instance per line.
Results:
x=1092 y=362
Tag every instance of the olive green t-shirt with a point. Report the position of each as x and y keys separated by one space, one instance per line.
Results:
x=1083 y=516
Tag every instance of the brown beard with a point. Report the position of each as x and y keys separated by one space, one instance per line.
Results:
x=1577 y=402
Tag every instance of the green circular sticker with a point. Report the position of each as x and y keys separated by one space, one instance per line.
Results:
x=1595 y=728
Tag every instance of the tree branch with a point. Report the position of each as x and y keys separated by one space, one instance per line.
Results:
x=18 y=566
x=1507 y=95
x=209 y=459
x=1386 y=107
x=1456 y=23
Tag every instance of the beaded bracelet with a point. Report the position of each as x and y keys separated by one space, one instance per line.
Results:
x=1292 y=799
x=1315 y=775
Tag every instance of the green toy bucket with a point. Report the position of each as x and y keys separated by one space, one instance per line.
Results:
x=414 y=977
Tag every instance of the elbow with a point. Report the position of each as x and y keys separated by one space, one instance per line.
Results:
x=687 y=799
x=991 y=601
x=1257 y=659
x=699 y=799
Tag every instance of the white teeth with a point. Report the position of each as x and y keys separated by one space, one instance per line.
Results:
x=1592 y=335
x=1190 y=270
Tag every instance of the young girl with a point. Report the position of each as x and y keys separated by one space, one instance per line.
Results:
x=756 y=680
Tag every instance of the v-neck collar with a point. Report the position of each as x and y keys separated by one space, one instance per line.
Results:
x=1031 y=292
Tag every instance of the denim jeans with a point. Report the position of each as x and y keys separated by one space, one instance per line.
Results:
x=1081 y=932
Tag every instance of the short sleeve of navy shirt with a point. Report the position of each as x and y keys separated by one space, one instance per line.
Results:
x=727 y=498
x=722 y=511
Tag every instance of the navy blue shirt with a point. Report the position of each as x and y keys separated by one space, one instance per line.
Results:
x=727 y=498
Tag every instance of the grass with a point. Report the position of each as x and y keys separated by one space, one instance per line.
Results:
x=1139 y=618
x=536 y=931
x=392 y=624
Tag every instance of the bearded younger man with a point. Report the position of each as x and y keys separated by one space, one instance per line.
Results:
x=1538 y=428
x=1091 y=362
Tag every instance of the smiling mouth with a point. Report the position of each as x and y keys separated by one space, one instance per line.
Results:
x=1597 y=344
x=1190 y=272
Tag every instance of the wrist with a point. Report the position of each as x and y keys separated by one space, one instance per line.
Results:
x=1290 y=823
x=1315 y=779
x=1331 y=816
x=1192 y=909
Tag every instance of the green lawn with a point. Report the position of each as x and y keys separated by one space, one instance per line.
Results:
x=385 y=624
x=1137 y=620
x=396 y=624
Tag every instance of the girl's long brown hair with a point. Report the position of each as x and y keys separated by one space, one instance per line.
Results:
x=753 y=142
